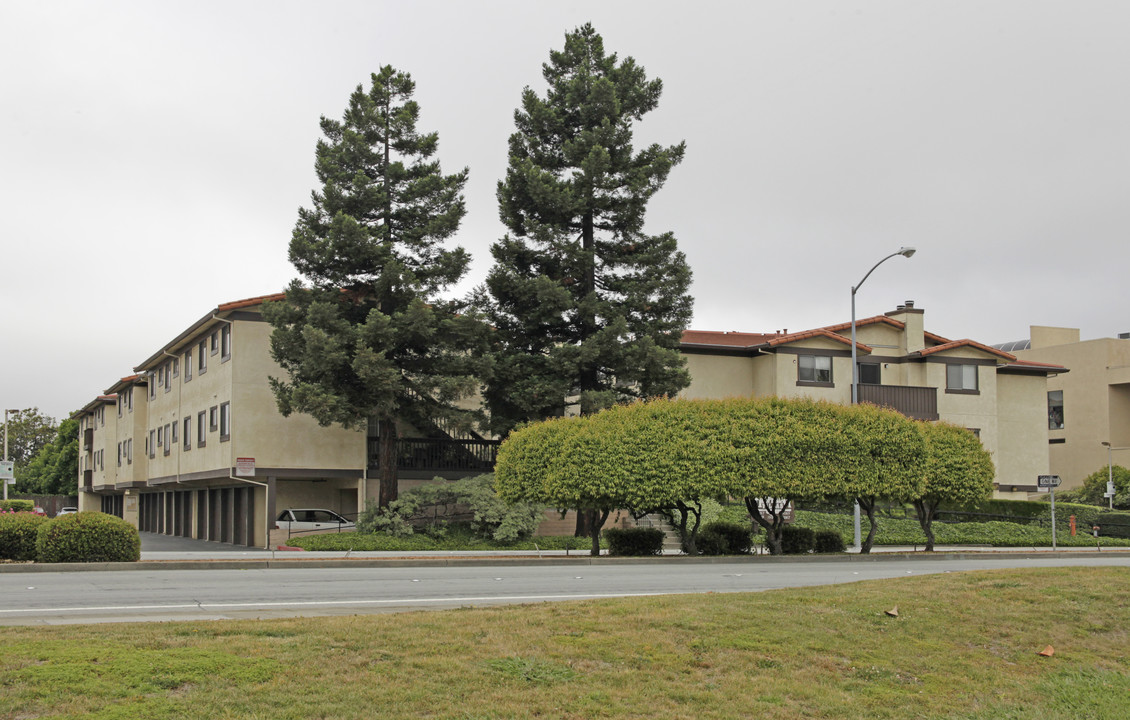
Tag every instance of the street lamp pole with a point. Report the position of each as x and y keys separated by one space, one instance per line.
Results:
x=4 y=482
x=1110 y=470
x=905 y=252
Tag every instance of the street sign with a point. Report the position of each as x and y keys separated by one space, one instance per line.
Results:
x=1046 y=482
x=7 y=469
x=245 y=467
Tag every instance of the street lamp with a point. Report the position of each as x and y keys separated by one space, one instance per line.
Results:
x=905 y=252
x=1110 y=470
x=7 y=412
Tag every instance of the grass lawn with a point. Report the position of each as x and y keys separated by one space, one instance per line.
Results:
x=964 y=645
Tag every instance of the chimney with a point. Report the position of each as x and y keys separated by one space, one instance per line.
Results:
x=913 y=337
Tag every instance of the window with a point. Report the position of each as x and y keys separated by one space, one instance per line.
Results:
x=187 y=432
x=225 y=343
x=214 y=339
x=129 y=451
x=814 y=369
x=173 y=437
x=225 y=421
x=201 y=428
x=202 y=357
x=1055 y=410
x=213 y=418
x=119 y=454
x=168 y=376
x=961 y=378
x=187 y=365
x=151 y=445
x=129 y=398
x=869 y=374
x=160 y=437
x=152 y=377
x=176 y=367
x=168 y=442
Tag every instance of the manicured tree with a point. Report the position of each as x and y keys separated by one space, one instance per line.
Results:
x=587 y=307
x=959 y=471
x=54 y=468
x=367 y=337
x=673 y=464
x=560 y=462
x=886 y=454
x=785 y=450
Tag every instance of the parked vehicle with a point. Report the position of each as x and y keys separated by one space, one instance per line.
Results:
x=298 y=520
x=66 y=511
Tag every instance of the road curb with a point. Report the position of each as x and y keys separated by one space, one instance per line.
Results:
x=424 y=561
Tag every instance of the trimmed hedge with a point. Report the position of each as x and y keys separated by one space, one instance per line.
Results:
x=796 y=540
x=18 y=533
x=17 y=505
x=88 y=537
x=725 y=538
x=829 y=541
x=634 y=541
x=1114 y=524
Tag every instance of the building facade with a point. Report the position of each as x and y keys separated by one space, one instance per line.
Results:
x=193 y=443
x=901 y=365
x=1088 y=406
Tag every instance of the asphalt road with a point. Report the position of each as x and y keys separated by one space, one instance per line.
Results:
x=28 y=598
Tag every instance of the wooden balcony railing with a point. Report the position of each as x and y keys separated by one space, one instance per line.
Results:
x=87 y=480
x=919 y=403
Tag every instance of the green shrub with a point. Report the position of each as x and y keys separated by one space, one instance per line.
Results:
x=432 y=507
x=17 y=505
x=797 y=540
x=18 y=532
x=735 y=536
x=1114 y=524
x=88 y=537
x=711 y=542
x=829 y=541
x=634 y=541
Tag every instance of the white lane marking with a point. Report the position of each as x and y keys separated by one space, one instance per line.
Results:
x=315 y=603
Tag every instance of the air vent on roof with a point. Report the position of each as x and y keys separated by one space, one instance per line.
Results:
x=1124 y=336
x=909 y=304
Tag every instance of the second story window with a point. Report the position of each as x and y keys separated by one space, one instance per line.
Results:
x=187 y=365
x=1055 y=410
x=225 y=343
x=961 y=378
x=202 y=357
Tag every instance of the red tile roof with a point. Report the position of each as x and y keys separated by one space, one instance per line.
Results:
x=724 y=339
x=250 y=302
x=953 y=344
x=809 y=334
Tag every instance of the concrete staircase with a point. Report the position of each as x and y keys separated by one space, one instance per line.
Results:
x=671 y=542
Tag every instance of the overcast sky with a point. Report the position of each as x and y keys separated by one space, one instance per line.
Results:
x=153 y=156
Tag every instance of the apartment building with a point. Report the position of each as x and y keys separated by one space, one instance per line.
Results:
x=192 y=444
x=1086 y=408
x=1001 y=398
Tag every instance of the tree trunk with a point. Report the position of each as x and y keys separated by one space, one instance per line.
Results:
x=689 y=538
x=599 y=518
x=386 y=470
x=772 y=524
x=584 y=523
x=588 y=379
x=925 y=512
x=868 y=506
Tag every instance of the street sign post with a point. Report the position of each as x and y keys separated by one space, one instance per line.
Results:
x=1048 y=484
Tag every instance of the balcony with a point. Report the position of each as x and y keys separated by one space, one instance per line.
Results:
x=918 y=403
x=439 y=455
x=88 y=439
x=87 y=480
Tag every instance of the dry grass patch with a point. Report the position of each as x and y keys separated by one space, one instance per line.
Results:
x=964 y=646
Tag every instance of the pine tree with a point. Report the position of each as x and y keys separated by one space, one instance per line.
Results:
x=585 y=305
x=367 y=337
